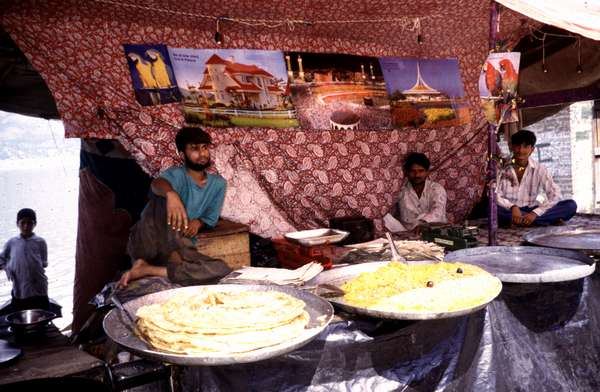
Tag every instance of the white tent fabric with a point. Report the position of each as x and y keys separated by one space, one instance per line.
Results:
x=578 y=16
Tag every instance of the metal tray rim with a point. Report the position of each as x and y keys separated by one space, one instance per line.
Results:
x=421 y=315
x=119 y=330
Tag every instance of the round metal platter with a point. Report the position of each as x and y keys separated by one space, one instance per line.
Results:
x=527 y=264
x=338 y=276
x=120 y=330
x=8 y=352
x=586 y=238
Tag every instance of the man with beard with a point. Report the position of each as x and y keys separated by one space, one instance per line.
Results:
x=521 y=184
x=420 y=200
x=184 y=200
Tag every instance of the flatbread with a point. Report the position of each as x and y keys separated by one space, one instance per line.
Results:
x=435 y=288
x=225 y=322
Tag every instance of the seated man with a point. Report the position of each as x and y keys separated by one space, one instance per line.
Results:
x=520 y=184
x=420 y=200
x=184 y=200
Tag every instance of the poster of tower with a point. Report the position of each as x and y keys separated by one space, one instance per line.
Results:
x=338 y=91
x=234 y=87
x=425 y=93
x=498 y=84
x=151 y=74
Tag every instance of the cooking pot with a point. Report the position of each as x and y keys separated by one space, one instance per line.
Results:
x=29 y=320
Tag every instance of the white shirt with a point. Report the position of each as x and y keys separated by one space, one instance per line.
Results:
x=430 y=207
x=24 y=261
x=536 y=180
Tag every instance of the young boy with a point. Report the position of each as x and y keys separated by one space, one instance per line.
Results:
x=520 y=184
x=24 y=259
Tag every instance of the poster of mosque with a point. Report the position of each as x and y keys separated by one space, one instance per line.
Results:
x=338 y=91
x=234 y=87
x=425 y=93
x=151 y=74
x=498 y=84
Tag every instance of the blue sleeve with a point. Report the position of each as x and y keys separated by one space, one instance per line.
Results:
x=175 y=176
x=211 y=216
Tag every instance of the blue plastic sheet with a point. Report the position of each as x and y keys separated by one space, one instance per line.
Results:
x=533 y=337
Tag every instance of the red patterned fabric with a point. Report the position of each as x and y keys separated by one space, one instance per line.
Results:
x=278 y=179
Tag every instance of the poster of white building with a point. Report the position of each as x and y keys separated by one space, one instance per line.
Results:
x=234 y=87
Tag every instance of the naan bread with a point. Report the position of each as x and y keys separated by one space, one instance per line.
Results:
x=435 y=287
x=224 y=322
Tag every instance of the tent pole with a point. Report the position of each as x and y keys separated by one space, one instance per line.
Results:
x=492 y=146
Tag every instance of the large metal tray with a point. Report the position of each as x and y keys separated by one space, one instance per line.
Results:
x=527 y=264
x=338 y=276
x=579 y=237
x=120 y=330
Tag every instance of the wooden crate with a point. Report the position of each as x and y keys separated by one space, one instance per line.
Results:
x=228 y=241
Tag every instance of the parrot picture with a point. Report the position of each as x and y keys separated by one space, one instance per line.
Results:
x=144 y=70
x=510 y=77
x=159 y=68
x=493 y=79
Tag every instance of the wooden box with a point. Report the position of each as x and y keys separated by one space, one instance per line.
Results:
x=228 y=241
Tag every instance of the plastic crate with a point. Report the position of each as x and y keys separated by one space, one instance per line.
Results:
x=292 y=255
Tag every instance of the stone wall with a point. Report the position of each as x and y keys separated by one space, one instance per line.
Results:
x=553 y=148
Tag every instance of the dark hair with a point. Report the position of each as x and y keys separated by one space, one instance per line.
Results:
x=523 y=137
x=416 y=158
x=187 y=135
x=26 y=213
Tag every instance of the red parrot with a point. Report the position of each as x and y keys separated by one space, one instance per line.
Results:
x=493 y=79
x=510 y=77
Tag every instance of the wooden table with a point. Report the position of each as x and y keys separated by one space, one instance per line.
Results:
x=46 y=356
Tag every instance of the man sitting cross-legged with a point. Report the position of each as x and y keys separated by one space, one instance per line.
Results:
x=521 y=183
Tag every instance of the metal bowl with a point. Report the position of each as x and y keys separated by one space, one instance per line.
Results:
x=30 y=320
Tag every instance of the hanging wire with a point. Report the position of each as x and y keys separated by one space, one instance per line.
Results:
x=579 y=66
x=406 y=22
x=544 y=68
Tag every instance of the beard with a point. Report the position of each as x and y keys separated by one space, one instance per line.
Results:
x=196 y=166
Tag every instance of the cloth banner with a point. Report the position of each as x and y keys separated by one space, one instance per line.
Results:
x=578 y=16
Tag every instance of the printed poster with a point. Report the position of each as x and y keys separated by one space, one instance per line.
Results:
x=151 y=74
x=234 y=87
x=425 y=93
x=338 y=91
x=498 y=84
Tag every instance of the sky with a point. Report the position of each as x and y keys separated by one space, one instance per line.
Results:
x=442 y=75
x=189 y=63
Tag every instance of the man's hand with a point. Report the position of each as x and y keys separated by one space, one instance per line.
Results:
x=517 y=217
x=529 y=218
x=176 y=214
x=194 y=226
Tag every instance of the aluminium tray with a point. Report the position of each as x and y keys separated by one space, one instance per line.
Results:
x=120 y=330
x=527 y=264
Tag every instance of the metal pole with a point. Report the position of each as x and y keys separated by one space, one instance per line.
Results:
x=492 y=165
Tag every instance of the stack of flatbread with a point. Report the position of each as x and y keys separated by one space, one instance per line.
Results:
x=206 y=322
x=435 y=287
x=409 y=249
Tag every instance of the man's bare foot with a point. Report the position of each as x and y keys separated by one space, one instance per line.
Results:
x=139 y=269
x=559 y=222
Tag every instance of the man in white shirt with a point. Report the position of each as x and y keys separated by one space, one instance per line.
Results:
x=520 y=185
x=420 y=200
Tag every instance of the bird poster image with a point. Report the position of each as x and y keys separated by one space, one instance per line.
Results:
x=498 y=84
x=152 y=74
x=425 y=93
x=234 y=87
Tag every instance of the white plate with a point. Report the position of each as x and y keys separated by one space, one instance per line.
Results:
x=317 y=236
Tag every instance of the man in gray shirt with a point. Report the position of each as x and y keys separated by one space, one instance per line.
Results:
x=24 y=259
